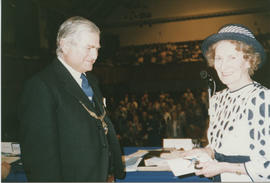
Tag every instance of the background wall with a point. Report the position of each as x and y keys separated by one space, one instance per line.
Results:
x=187 y=30
x=29 y=30
x=177 y=20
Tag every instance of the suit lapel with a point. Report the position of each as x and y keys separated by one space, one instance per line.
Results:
x=70 y=85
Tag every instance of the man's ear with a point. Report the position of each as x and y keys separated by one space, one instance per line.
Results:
x=64 y=45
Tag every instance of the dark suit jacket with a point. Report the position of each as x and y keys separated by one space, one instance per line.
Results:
x=59 y=140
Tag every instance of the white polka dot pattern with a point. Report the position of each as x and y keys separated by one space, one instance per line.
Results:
x=240 y=125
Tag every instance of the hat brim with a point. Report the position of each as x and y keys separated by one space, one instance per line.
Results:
x=234 y=36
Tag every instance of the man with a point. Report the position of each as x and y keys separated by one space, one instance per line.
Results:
x=65 y=133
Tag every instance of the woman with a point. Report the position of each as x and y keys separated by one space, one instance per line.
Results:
x=239 y=128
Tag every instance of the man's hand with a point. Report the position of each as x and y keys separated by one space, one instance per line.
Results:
x=110 y=178
x=5 y=169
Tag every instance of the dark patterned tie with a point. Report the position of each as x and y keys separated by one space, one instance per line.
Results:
x=86 y=87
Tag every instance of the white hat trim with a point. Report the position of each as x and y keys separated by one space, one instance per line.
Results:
x=236 y=29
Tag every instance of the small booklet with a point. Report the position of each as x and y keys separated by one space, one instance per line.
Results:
x=186 y=165
x=181 y=166
x=131 y=164
x=133 y=160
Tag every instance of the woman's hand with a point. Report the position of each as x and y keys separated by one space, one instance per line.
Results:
x=202 y=153
x=210 y=168
x=213 y=167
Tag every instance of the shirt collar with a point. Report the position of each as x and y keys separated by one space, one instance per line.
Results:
x=75 y=74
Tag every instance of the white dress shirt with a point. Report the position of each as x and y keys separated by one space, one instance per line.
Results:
x=75 y=74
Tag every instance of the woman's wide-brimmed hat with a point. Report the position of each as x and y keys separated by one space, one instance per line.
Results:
x=235 y=32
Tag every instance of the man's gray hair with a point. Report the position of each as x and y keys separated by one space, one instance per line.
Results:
x=70 y=27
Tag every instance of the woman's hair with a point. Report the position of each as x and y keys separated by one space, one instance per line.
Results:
x=250 y=55
x=70 y=27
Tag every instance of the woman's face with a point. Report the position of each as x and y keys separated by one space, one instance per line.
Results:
x=230 y=65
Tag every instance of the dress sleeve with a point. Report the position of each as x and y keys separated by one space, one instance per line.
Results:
x=258 y=110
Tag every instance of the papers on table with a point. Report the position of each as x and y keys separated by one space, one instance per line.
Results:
x=10 y=152
x=186 y=165
x=151 y=161
x=132 y=161
x=163 y=160
x=10 y=148
x=131 y=164
x=153 y=168
x=184 y=144
x=155 y=161
x=172 y=154
x=138 y=153
x=181 y=166
x=155 y=164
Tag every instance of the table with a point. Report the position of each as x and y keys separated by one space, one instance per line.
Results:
x=156 y=176
x=17 y=174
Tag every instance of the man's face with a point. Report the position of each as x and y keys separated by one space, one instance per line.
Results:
x=82 y=53
x=230 y=64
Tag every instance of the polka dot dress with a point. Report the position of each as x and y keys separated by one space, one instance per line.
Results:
x=240 y=125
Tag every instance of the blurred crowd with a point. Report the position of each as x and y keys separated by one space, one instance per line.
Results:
x=162 y=53
x=144 y=120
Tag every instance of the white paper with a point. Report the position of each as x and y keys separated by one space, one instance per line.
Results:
x=6 y=147
x=181 y=166
x=138 y=153
x=171 y=155
x=154 y=168
x=185 y=144
x=16 y=148
x=10 y=148
x=133 y=160
x=132 y=163
x=155 y=161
